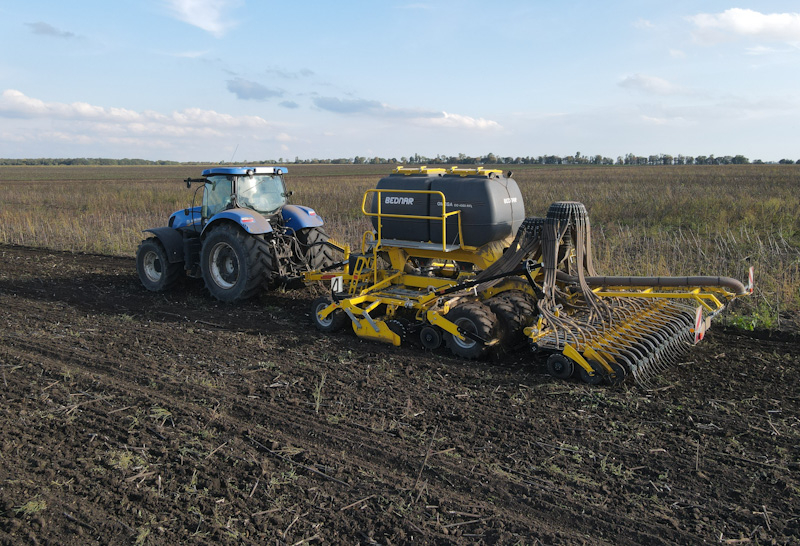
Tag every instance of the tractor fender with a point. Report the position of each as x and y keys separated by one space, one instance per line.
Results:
x=172 y=241
x=298 y=217
x=249 y=220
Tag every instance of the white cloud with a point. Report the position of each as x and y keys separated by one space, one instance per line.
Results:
x=190 y=54
x=208 y=15
x=80 y=126
x=643 y=24
x=765 y=50
x=459 y=121
x=677 y=54
x=665 y=121
x=15 y=104
x=375 y=108
x=653 y=85
x=737 y=22
x=417 y=6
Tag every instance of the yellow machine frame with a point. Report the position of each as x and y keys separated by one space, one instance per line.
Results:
x=364 y=287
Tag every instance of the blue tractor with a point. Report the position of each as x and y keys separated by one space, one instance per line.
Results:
x=245 y=237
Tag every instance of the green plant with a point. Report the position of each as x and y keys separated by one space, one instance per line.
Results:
x=761 y=317
x=318 y=392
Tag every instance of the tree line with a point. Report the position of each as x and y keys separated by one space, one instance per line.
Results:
x=416 y=159
x=576 y=159
x=83 y=161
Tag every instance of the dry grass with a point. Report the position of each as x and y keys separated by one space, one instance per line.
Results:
x=714 y=220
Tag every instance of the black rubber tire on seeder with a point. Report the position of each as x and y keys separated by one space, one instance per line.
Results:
x=333 y=322
x=515 y=310
x=482 y=321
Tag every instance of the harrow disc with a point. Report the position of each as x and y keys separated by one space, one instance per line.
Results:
x=595 y=379
x=430 y=337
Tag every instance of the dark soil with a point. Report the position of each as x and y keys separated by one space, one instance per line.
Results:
x=128 y=417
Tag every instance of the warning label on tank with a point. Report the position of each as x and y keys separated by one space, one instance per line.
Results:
x=509 y=200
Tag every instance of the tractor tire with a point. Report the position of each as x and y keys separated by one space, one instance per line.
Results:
x=475 y=317
x=333 y=322
x=155 y=271
x=515 y=310
x=316 y=253
x=235 y=266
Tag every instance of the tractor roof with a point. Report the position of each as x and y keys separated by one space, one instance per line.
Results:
x=245 y=170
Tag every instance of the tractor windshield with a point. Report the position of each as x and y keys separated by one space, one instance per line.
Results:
x=264 y=193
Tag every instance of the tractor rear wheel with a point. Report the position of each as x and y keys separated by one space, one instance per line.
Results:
x=155 y=270
x=475 y=318
x=235 y=266
x=316 y=253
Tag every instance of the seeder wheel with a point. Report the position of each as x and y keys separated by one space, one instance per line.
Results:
x=476 y=318
x=515 y=310
x=560 y=366
x=333 y=322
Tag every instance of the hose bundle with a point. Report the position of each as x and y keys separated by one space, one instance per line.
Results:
x=567 y=227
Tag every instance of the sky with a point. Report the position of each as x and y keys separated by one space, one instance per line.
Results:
x=237 y=80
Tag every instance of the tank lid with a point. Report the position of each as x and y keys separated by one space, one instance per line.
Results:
x=479 y=171
x=418 y=170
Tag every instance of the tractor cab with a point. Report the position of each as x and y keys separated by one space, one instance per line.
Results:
x=261 y=189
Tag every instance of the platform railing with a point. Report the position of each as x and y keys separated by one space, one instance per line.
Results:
x=381 y=215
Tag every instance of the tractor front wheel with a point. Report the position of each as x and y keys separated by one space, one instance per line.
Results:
x=155 y=270
x=235 y=265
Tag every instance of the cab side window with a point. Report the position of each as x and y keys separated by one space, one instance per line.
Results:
x=217 y=195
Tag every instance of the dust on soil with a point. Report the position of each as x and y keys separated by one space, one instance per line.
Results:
x=132 y=417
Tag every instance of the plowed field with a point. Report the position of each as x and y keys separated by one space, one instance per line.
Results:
x=128 y=417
